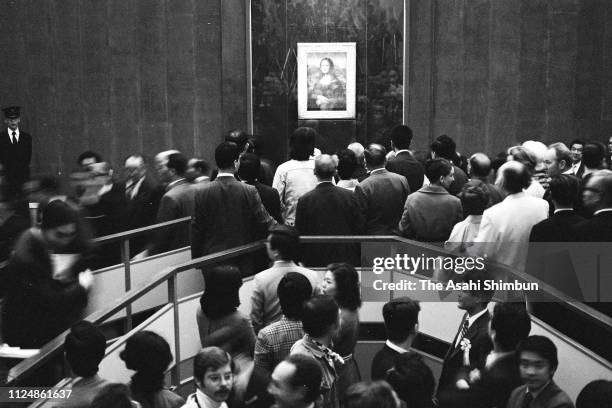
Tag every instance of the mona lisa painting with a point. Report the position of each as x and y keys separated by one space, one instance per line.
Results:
x=326 y=80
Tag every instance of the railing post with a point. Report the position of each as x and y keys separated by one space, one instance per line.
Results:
x=173 y=297
x=125 y=258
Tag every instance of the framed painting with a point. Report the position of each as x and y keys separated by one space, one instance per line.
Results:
x=326 y=80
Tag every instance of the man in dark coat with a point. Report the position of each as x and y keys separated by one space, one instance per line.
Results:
x=597 y=197
x=479 y=169
x=328 y=210
x=445 y=147
x=249 y=171
x=15 y=147
x=403 y=162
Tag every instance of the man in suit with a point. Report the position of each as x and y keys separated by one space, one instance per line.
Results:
x=401 y=316
x=577 y=167
x=505 y=227
x=228 y=213
x=471 y=343
x=431 y=213
x=198 y=171
x=537 y=364
x=403 y=162
x=491 y=386
x=296 y=383
x=479 y=169
x=249 y=171
x=597 y=197
x=328 y=210
x=15 y=148
x=382 y=195
x=445 y=147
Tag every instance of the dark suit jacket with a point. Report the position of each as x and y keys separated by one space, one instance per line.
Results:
x=178 y=202
x=227 y=214
x=16 y=157
x=406 y=165
x=550 y=397
x=270 y=199
x=495 y=194
x=142 y=209
x=329 y=210
x=383 y=360
x=381 y=199
x=460 y=179
x=452 y=367
x=557 y=228
x=595 y=229
x=492 y=390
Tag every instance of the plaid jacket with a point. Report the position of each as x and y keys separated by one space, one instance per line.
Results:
x=275 y=341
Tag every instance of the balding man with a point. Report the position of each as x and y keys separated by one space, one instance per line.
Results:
x=505 y=227
x=381 y=196
x=479 y=168
x=328 y=210
x=597 y=197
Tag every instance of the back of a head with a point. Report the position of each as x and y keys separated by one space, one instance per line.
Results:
x=112 y=396
x=57 y=213
x=84 y=346
x=358 y=149
x=237 y=136
x=474 y=199
x=307 y=376
x=375 y=155
x=524 y=156
x=293 y=290
x=511 y=323
x=221 y=291
x=603 y=180
x=325 y=167
x=211 y=358
x=178 y=163
x=564 y=189
x=401 y=136
x=536 y=148
x=347 y=163
x=513 y=177
x=377 y=394
x=596 y=394
x=89 y=154
x=593 y=154
x=250 y=166
x=202 y=166
x=401 y=315
x=436 y=168
x=476 y=278
x=480 y=165
x=226 y=154
x=562 y=153
x=412 y=380
x=444 y=146
x=286 y=240
x=147 y=352
x=348 y=292
x=319 y=314
x=302 y=143
x=542 y=346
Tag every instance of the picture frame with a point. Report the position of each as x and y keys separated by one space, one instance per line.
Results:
x=326 y=80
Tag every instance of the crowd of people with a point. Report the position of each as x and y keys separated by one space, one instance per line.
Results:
x=296 y=347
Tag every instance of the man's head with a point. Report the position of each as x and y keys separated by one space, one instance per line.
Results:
x=302 y=143
x=479 y=165
x=296 y=382
x=12 y=116
x=596 y=394
x=239 y=137
x=320 y=316
x=347 y=163
x=557 y=159
x=473 y=301
x=564 y=190
x=84 y=347
x=401 y=317
x=593 y=155
x=161 y=165
x=440 y=172
x=444 y=146
x=377 y=394
x=597 y=194
x=197 y=168
x=249 y=168
x=401 y=137
x=358 y=149
x=412 y=380
x=325 y=167
x=576 y=147
x=537 y=361
x=87 y=158
x=176 y=166
x=59 y=225
x=213 y=373
x=134 y=168
x=474 y=199
x=513 y=177
x=293 y=290
x=283 y=243
x=226 y=157
x=509 y=325
x=375 y=156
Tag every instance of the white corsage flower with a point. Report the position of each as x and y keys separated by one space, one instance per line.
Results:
x=466 y=345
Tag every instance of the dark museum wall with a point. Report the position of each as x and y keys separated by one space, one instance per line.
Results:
x=123 y=76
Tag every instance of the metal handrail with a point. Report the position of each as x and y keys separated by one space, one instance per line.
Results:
x=121 y=236
x=19 y=372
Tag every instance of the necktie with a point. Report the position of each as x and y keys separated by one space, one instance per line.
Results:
x=527 y=400
x=14 y=138
x=464 y=329
x=128 y=191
